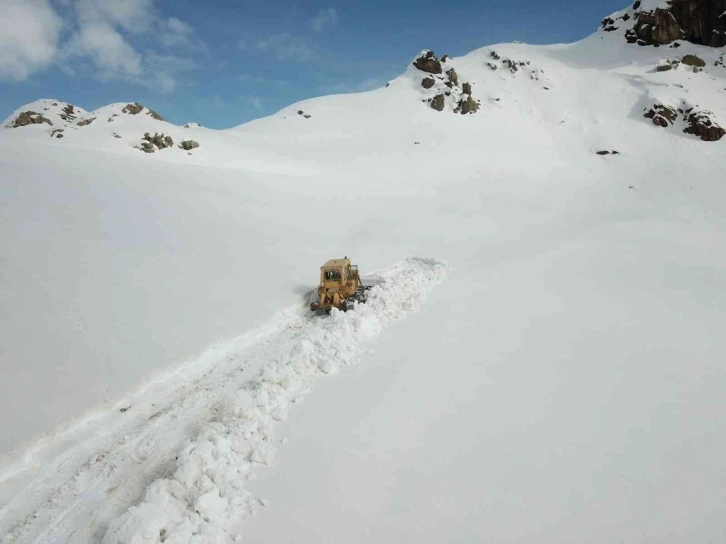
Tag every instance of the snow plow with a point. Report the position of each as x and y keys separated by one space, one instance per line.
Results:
x=340 y=286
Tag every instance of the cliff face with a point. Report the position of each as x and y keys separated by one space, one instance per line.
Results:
x=701 y=22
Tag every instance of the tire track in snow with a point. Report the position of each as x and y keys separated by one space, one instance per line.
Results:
x=207 y=490
x=74 y=496
x=145 y=456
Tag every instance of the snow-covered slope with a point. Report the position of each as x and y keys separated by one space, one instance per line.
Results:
x=564 y=383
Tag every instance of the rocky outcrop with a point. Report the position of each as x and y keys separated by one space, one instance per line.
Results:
x=696 y=121
x=136 y=108
x=466 y=88
x=427 y=62
x=662 y=116
x=667 y=64
x=453 y=77
x=133 y=109
x=188 y=145
x=58 y=133
x=154 y=115
x=437 y=102
x=701 y=123
x=158 y=141
x=85 y=122
x=68 y=113
x=29 y=118
x=693 y=60
x=698 y=21
x=427 y=82
x=467 y=104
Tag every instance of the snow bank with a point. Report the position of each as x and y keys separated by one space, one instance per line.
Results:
x=208 y=489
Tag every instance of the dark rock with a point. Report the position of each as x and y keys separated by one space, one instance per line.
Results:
x=697 y=21
x=154 y=115
x=133 y=109
x=307 y=116
x=453 y=77
x=615 y=152
x=300 y=112
x=603 y=152
x=110 y=119
x=157 y=141
x=438 y=102
x=116 y=135
x=448 y=84
x=188 y=145
x=427 y=82
x=467 y=104
x=661 y=115
x=466 y=88
x=636 y=5
x=136 y=108
x=445 y=58
x=701 y=124
x=85 y=122
x=58 y=133
x=428 y=62
x=494 y=55
x=29 y=118
x=693 y=60
x=669 y=65
x=492 y=66
x=511 y=65
x=68 y=113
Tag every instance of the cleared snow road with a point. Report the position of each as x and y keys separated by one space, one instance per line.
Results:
x=184 y=447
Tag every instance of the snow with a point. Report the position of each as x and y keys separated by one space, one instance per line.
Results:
x=563 y=383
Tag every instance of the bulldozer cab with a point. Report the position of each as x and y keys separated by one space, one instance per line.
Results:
x=337 y=271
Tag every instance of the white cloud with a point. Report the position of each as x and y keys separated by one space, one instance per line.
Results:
x=176 y=34
x=29 y=34
x=286 y=47
x=325 y=17
x=111 y=54
x=107 y=32
x=133 y=16
x=103 y=39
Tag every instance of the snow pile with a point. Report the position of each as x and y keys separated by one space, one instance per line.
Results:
x=208 y=489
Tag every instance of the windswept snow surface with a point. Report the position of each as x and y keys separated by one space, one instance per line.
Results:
x=566 y=383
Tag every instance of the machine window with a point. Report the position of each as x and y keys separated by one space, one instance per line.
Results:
x=332 y=275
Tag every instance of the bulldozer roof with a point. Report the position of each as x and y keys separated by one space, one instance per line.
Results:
x=336 y=263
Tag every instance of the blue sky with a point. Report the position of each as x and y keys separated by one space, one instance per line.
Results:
x=225 y=62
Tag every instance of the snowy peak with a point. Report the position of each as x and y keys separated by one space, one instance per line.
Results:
x=122 y=125
x=657 y=22
x=53 y=113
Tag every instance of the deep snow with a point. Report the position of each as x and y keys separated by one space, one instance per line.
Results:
x=564 y=383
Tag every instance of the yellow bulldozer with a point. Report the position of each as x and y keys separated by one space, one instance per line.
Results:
x=340 y=286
